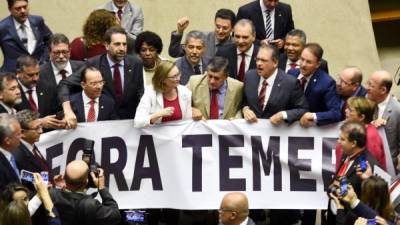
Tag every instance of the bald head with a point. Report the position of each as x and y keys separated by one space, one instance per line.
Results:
x=76 y=174
x=234 y=208
x=349 y=81
x=379 y=85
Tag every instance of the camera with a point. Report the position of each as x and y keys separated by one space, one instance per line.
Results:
x=88 y=157
x=135 y=216
x=340 y=190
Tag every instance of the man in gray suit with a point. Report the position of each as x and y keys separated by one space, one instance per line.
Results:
x=129 y=14
x=194 y=61
x=234 y=210
x=378 y=90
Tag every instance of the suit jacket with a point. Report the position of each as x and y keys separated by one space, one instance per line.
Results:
x=47 y=99
x=152 y=101
x=132 y=87
x=132 y=18
x=392 y=127
x=286 y=95
x=47 y=73
x=230 y=52
x=201 y=99
x=106 y=108
x=283 y=19
x=249 y=222
x=12 y=46
x=359 y=92
x=2 y=109
x=7 y=174
x=283 y=60
x=26 y=161
x=322 y=98
x=187 y=70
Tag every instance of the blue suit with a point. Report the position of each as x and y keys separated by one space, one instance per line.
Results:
x=322 y=98
x=12 y=46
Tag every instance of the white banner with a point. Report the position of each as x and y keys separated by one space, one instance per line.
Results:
x=191 y=165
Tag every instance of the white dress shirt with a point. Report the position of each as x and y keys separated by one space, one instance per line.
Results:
x=288 y=66
x=272 y=16
x=382 y=107
x=86 y=105
x=248 y=53
x=57 y=74
x=29 y=34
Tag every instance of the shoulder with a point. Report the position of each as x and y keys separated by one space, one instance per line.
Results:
x=227 y=48
x=194 y=79
x=250 y=6
x=183 y=90
x=35 y=19
x=234 y=83
x=75 y=97
x=6 y=21
x=324 y=77
x=106 y=99
x=284 y=6
x=132 y=59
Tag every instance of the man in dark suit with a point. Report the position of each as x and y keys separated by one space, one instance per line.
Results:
x=352 y=139
x=271 y=94
x=37 y=95
x=22 y=34
x=60 y=66
x=10 y=95
x=241 y=54
x=319 y=88
x=10 y=133
x=284 y=101
x=193 y=62
x=103 y=105
x=234 y=210
x=272 y=19
x=289 y=60
x=349 y=84
x=123 y=76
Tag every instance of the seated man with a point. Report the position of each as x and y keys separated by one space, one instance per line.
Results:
x=234 y=210
x=214 y=94
x=91 y=105
x=77 y=207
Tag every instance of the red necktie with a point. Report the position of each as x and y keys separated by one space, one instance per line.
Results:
x=261 y=96
x=117 y=83
x=119 y=14
x=214 y=105
x=91 y=117
x=63 y=74
x=303 y=82
x=39 y=157
x=242 y=66
x=293 y=65
x=31 y=101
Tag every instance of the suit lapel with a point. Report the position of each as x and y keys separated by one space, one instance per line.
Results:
x=259 y=20
x=205 y=95
x=102 y=106
x=228 y=100
x=107 y=74
x=42 y=104
x=80 y=109
x=278 y=21
x=253 y=92
x=30 y=158
x=128 y=71
x=388 y=110
x=312 y=82
x=275 y=91
x=10 y=171
x=14 y=34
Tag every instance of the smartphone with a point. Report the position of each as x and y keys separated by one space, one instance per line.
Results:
x=27 y=176
x=135 y=216
x=371 y=222
x=363 y=163
x=45 y=176
x=343 y=187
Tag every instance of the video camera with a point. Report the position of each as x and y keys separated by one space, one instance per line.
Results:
x=88 y=157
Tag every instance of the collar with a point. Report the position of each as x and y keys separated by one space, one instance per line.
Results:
x=355 y=155
x=8 y=109
x=86 y=99
x=67 y=68
x=6 y=153
x=111 y=63
x=18 y=24
x=27 y=145
x=263 y=8
x=24 y=88
x=288 y=62
x=216 y=41
x=245 y=221
x=115 y=8
x=223 y=87
x=271 y=79
x=384 y=102
x=249 y=51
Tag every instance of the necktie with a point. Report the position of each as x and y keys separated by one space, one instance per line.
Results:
x=268 y=27
x=14 y=165
x=91 y=117
x=32 y=102
x=117 y=83
x=119 y=14
x=24 y=36
x=303 y=82
x=293 y=65
x=214 y=114
x=261 y=95
x=63 y=74
x=294 y=72
x=40 y=159
x=242 y=66
x=197 y=69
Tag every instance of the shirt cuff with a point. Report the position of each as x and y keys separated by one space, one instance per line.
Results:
x=355 y=203
x=34 y=204
x=284 y=115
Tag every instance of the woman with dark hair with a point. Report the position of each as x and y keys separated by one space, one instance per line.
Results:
x=92 y=42
x=360 y=109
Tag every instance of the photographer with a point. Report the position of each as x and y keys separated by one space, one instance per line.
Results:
x=77 y=207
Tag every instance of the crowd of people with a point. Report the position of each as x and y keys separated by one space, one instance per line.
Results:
x=254 y=65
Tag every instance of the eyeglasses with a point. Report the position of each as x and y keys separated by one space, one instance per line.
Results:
x=96 y=83
x=66 y=52
x=175 y=77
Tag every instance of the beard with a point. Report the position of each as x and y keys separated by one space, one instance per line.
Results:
x=60 y=65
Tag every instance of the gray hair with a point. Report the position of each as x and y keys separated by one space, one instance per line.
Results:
x=5 y=128
x=195 y=34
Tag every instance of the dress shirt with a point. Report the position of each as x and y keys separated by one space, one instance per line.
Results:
x=57 y=74
x=121 y=70
x=29 y=34
x=288 y=62
x=27 y=145
x=10 y=111
x=244 y=221
x=34 y=93
x=382 y=106
x=221 y=98
x=200 y=66
x=248 y=53
x=270 y=81
x=264 y=16
x=6 y=153
x=34 y=204
x=86 y=104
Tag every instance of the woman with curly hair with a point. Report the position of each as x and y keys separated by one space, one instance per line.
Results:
x=92 y=42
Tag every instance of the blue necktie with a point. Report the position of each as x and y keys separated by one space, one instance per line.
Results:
x=294 y=72
x=14 y=165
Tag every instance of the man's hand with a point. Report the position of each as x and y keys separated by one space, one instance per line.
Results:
x=196 y=114
x=59 y=181
x=69 y=116
x=361 y=221
x=182 y=24
x=379 y=122
x=249 y=115
x=279 y=43
x=277 y=118
x=350 y=197
x=52 y=122
x=98 y=181
x=307 y=120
